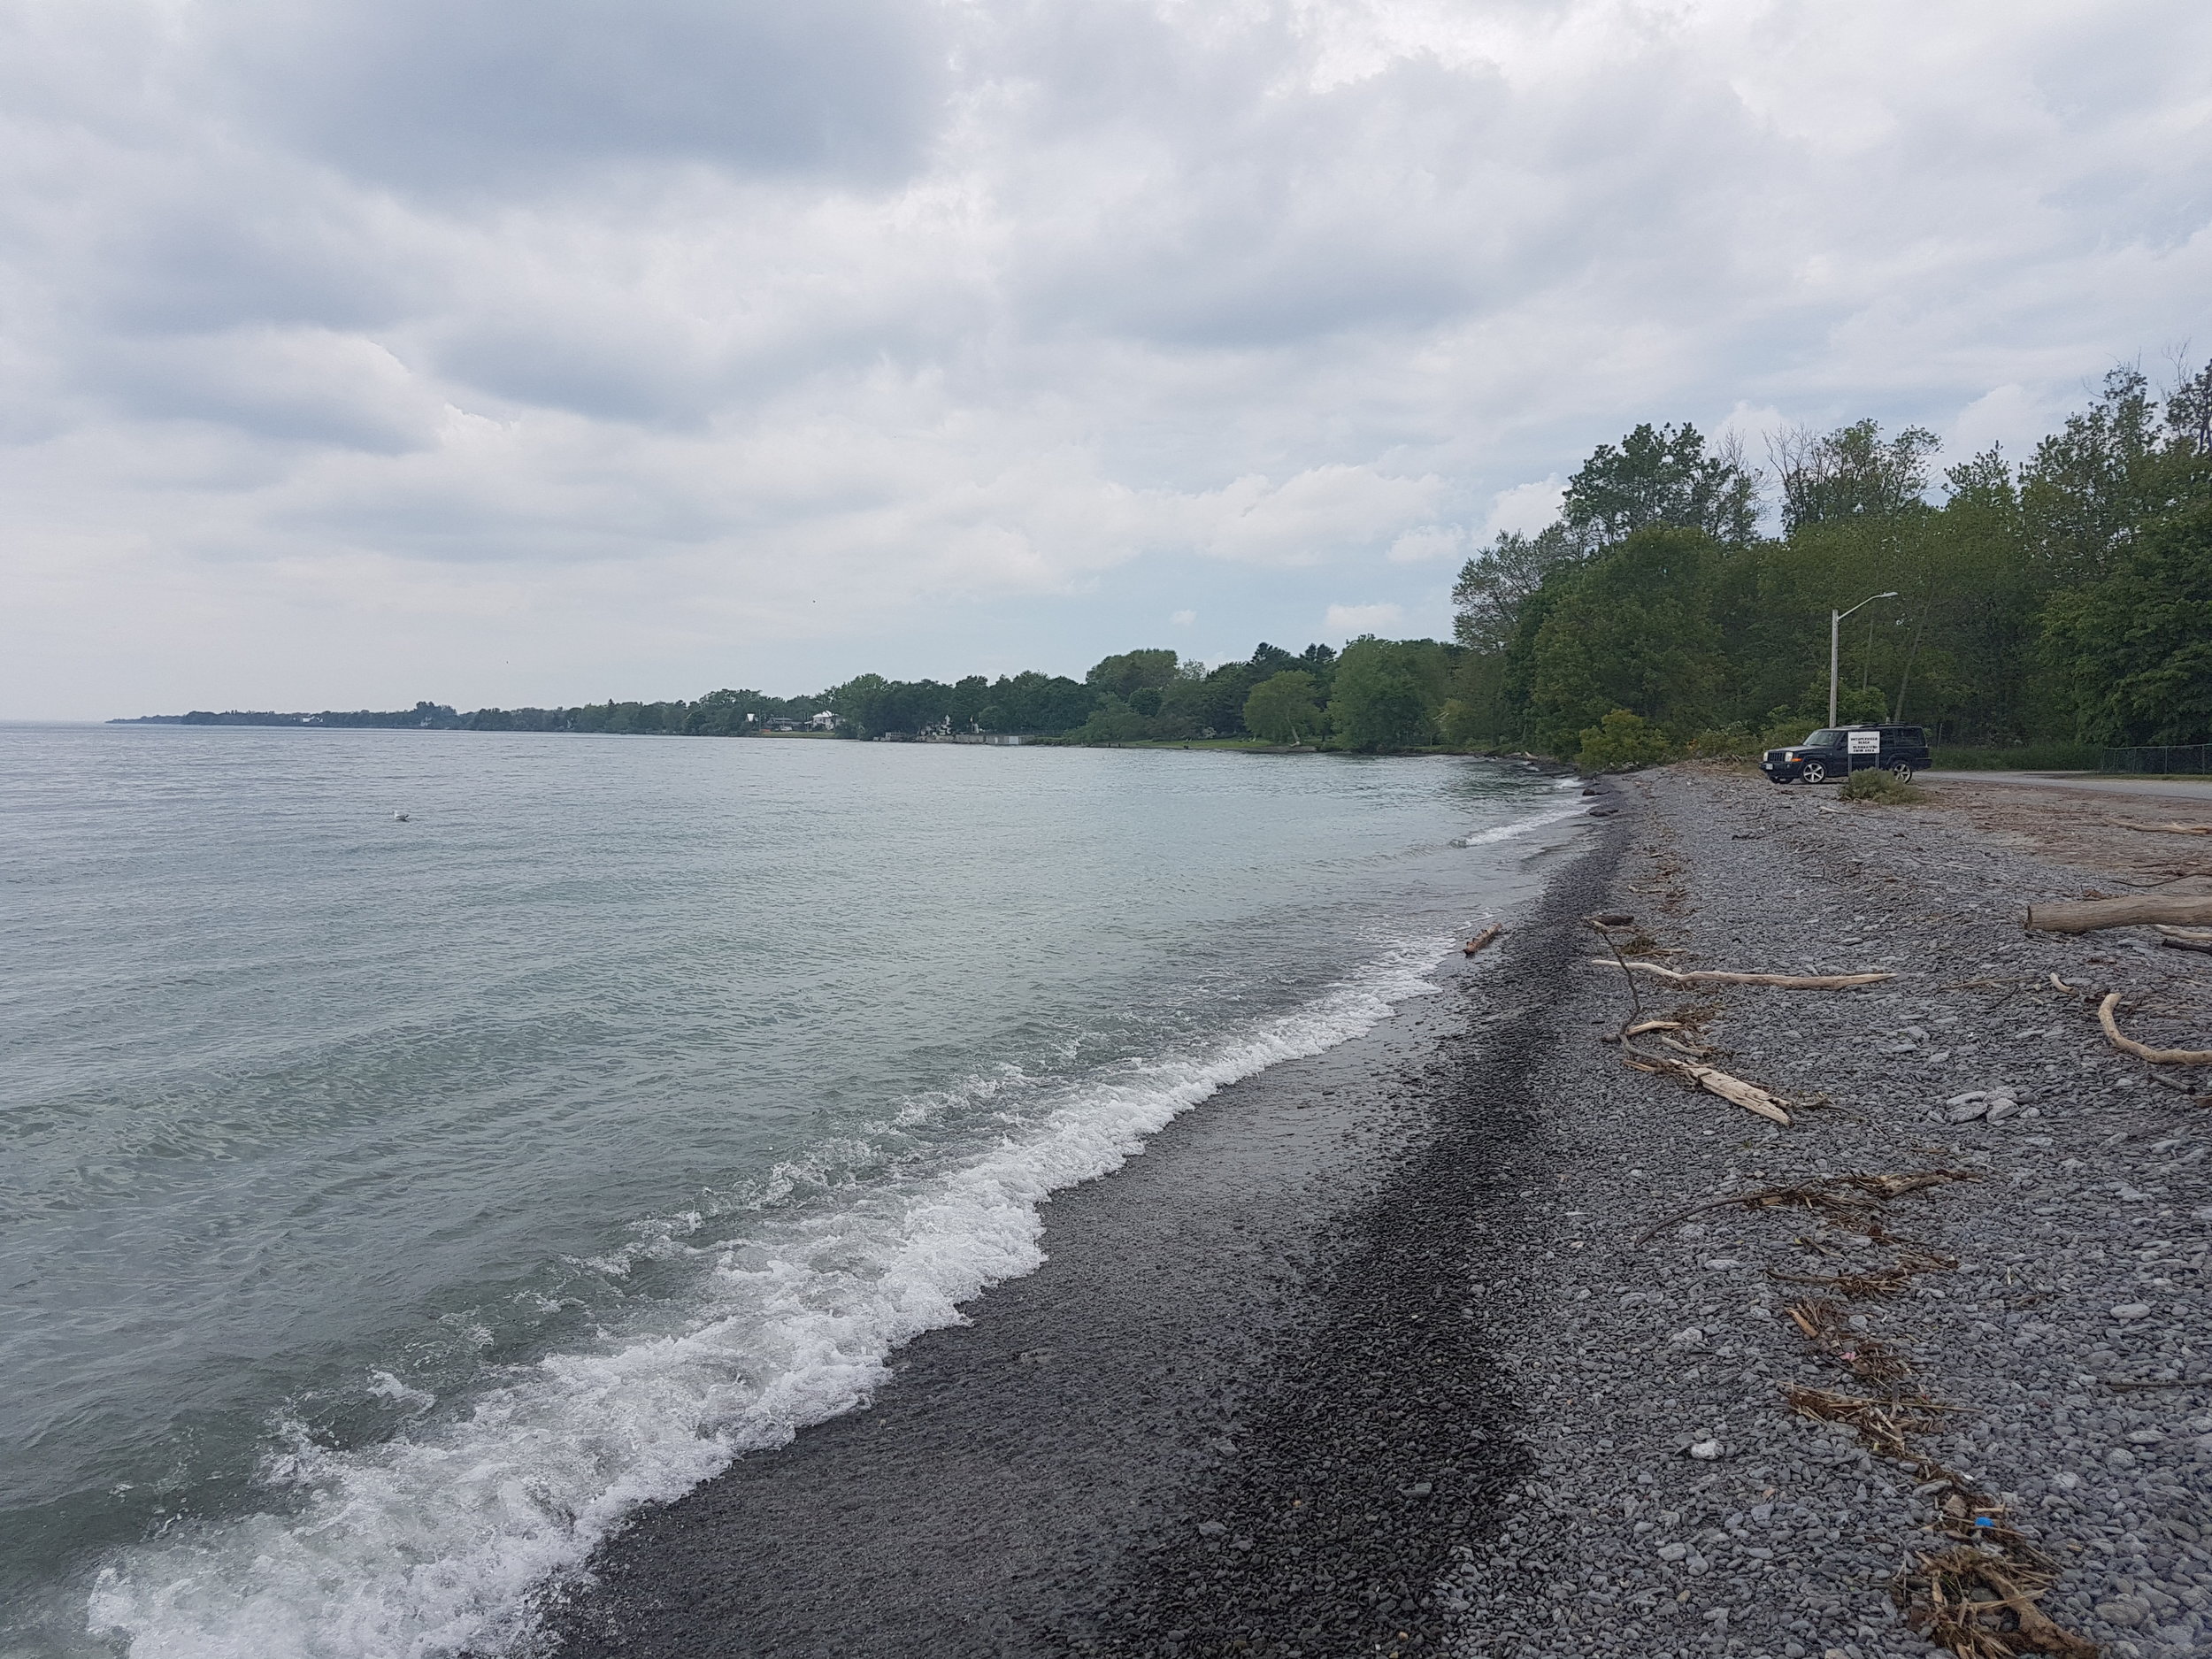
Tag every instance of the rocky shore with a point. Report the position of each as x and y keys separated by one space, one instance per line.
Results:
x=1463 y=1339
x=2033 y=1332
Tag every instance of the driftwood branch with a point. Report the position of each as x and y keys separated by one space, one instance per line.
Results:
x=1712 y=1079
x=2128 y=1045
x=1750 y=1097
x=2141 y=909
x=2185 y=938
x=2162 y=829
x=1486 y=937
x=1717 y=976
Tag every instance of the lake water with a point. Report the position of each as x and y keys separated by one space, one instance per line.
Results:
x=387 y=1206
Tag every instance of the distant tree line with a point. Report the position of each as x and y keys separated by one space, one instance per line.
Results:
x=1376 y=694
x=2068 y=598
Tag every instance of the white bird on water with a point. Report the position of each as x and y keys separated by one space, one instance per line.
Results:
x=399 y=817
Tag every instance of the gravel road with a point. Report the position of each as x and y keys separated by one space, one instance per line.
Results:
x=1674 y=1504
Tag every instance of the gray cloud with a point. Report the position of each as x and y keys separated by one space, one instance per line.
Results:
x=522 y=346
x=484 y=95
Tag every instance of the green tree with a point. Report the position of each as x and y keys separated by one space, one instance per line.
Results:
x=1634 y=629
x=970 y=697
x=1662 y=476
x=1387 y=693
x=852 y=701
x=1113 y=721
x=1047 y=705
x=1191 y=703
x=1849 y=472
x=1619 y=742
x=1282 y=708
x=1133 y=672
x=2114 y=468
x=1493 y=585
x=2135 y=648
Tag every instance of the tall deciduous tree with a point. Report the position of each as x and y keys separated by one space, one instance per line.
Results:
x=1387 y=693
x=1493 y=585
x=2137 y=647
x=1282 y=708
x=2115 y=467
x=1851 y=472
x=1634 y=629
x=1133 y=672
x=1662 y=476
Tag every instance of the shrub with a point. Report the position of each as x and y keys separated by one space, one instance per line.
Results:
x=1877 y=788
x=1620 y=742
x=1730 y=742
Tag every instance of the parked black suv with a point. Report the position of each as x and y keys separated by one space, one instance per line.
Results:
x=1837 y=751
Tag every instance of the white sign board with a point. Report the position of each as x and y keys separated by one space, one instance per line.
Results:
x=1865 y=742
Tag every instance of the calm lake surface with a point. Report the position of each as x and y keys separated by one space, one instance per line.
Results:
x=386 y=1207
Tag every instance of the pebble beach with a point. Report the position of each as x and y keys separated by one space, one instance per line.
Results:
x=2050 y=1319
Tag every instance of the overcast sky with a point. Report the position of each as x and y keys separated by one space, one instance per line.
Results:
x=531 y=351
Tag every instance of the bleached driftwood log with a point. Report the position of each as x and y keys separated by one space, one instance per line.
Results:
x=1713 y=1080
x=2185 y=938
x=2141 y=1051
x=2138 y=910
x=2162 y=829
x=1721 y=976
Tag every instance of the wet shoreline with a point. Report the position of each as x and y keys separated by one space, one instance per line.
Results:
x=1247 y=1401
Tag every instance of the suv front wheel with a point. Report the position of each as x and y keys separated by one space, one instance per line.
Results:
x=1901 y=770
x=1814 y=772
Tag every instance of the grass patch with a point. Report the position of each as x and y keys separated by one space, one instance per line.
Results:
x=1877 y=788
x=2019 y=757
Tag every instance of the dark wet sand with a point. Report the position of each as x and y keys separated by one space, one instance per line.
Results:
x=1249 y=1404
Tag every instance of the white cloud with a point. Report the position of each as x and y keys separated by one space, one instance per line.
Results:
x=2009 y=415
x=1526 y=508
x=1344 y=622
x=1430 y=541
x=503 y=354
x=1183 y=618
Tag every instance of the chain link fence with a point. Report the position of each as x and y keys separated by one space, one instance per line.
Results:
x=2177 y=757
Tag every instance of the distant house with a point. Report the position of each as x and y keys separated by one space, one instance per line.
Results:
x=825 y=720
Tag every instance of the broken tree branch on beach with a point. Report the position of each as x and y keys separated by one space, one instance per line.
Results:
x=1849 y=1199
x=1486 y=937
x=1721 y=976
x=2162 y=829
x=2185 y=938
x=2141 y=1051
x=1713 y=1080
x=2141 y=909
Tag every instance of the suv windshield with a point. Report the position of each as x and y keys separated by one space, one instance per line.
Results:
x=1823 y=739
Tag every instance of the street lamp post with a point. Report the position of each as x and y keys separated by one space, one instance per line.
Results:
x=1835 y=629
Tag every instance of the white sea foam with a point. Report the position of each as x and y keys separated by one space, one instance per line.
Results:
x=1498 y=833
x=427 y=1544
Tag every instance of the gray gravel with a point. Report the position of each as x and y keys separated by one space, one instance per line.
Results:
x=1672 y=1505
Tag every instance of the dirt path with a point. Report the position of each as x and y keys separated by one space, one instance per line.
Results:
x=2082 y=827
